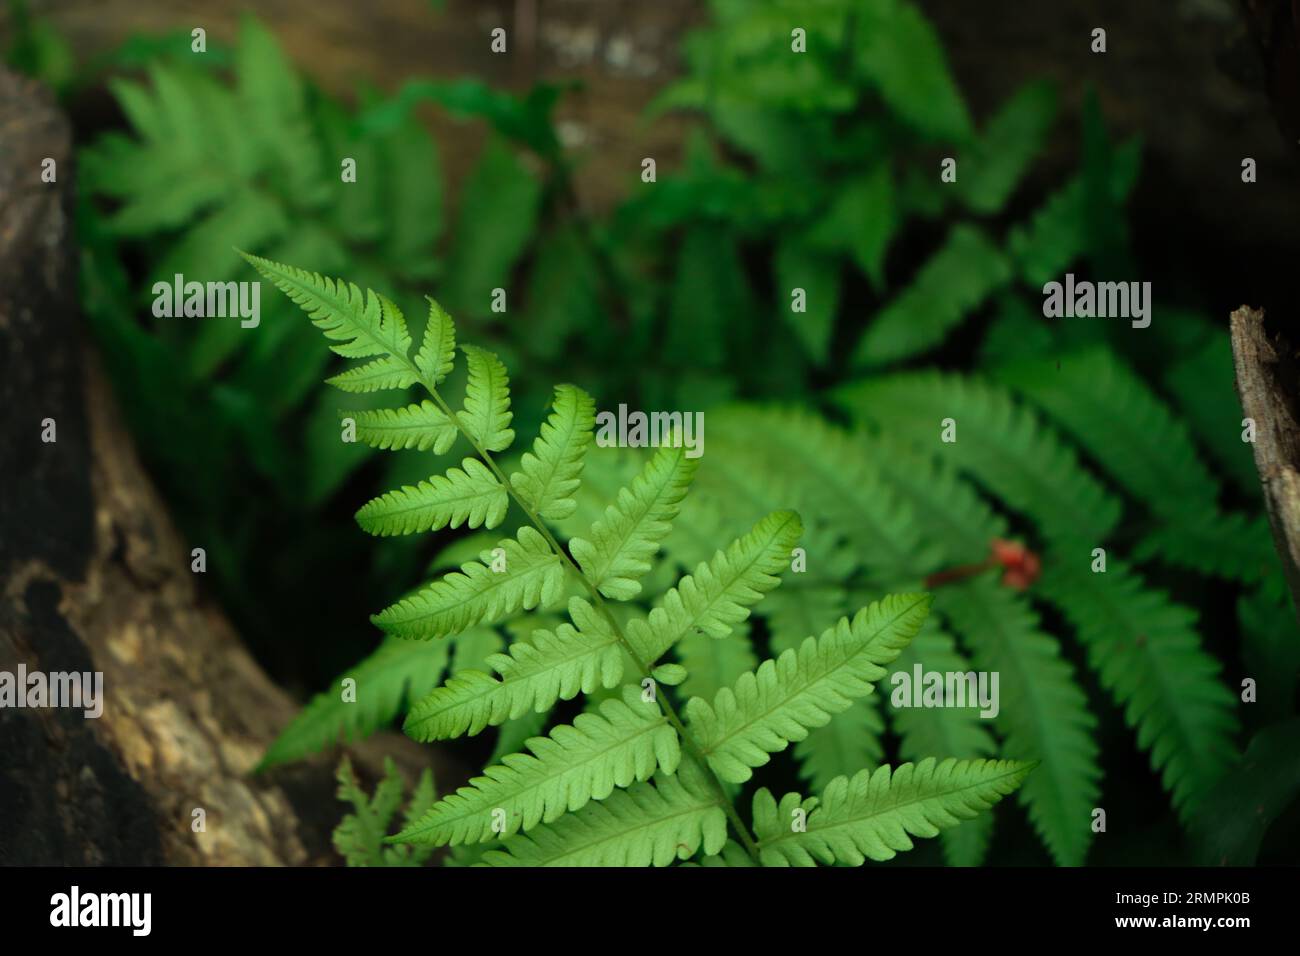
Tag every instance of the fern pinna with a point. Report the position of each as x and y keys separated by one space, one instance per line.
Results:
x=630 y=781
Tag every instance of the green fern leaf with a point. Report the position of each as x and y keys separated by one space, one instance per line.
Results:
x=1005 y=148
x=379 y=375
x=516 y=732
x=1099 y=400
x=1043 y=714
x=842 y=747
x=533 y=575
x=1233 y=818
x=1003 y=446
x=550 y=473
x=951 y=285
x=711 y=663
x=837 y=482
x=784 y=698
x=1221 y=544
x=360 y=326
x=957 y=732
x=733 y=854
x=650 y=824
x=469 y=495
x=498 y=216
x=1201 y=384
x=385 y=682
x=947 y=509
x=621 y=544
x=1147 y=653
x=802 y=608
x=717 y=597
x=799 y=266
x=421 y=426
x=873 y=815
x=536 y=672
x=898 y=51
x=1057 y=233
x=437 y=355
x=359 y=838
x=487 y=400
x=624 y=743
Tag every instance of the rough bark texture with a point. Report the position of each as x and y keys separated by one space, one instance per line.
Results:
x=93 y=577
x=1269 y=387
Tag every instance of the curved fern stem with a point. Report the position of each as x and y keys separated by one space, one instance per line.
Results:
x=693 y=748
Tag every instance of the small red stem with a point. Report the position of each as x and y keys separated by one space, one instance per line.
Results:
x=959 y=573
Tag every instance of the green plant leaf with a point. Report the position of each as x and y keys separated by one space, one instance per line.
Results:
x=873 y=815
x=624 y=743
x=803 y=689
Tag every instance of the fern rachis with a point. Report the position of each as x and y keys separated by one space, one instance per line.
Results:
x=611 y=754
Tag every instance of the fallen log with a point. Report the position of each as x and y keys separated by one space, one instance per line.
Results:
x=95 y=579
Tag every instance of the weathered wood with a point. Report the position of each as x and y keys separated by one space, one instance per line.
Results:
x=95 y=578
x=1269 y=388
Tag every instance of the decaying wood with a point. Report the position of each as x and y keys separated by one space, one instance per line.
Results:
x=94 y=577
x=1269 y=389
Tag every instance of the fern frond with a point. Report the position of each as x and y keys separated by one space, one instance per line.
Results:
x=620 y=545
x=624 y=743
x=421 y=426
x=359 y=837
x=358 y=325
x=802 y=608
x=380 y=375
x=719 y=594
x=469 y=495
x=1002 y=445
x=946 y=507
x=1057 y=233
x=487 y=400
x=824 y=473
x=437 y=355
x=550 y=473
x=957 y=732
x=1220 y=544
x=1146 y=650
x=803 y=689
x=533 y=575
x=1104 y=405
x=873 y=815
x=732 y=854
x=536 y=672
x=1043 y=715
x=899 y=52
x=990 y=173
x=842 y=747
x=385 y=682
x=1201 y=384
x=711 y=663
x=649 y=824
x=948 y=288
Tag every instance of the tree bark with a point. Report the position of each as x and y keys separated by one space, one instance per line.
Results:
x=1269 y=387
x=95 y=578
